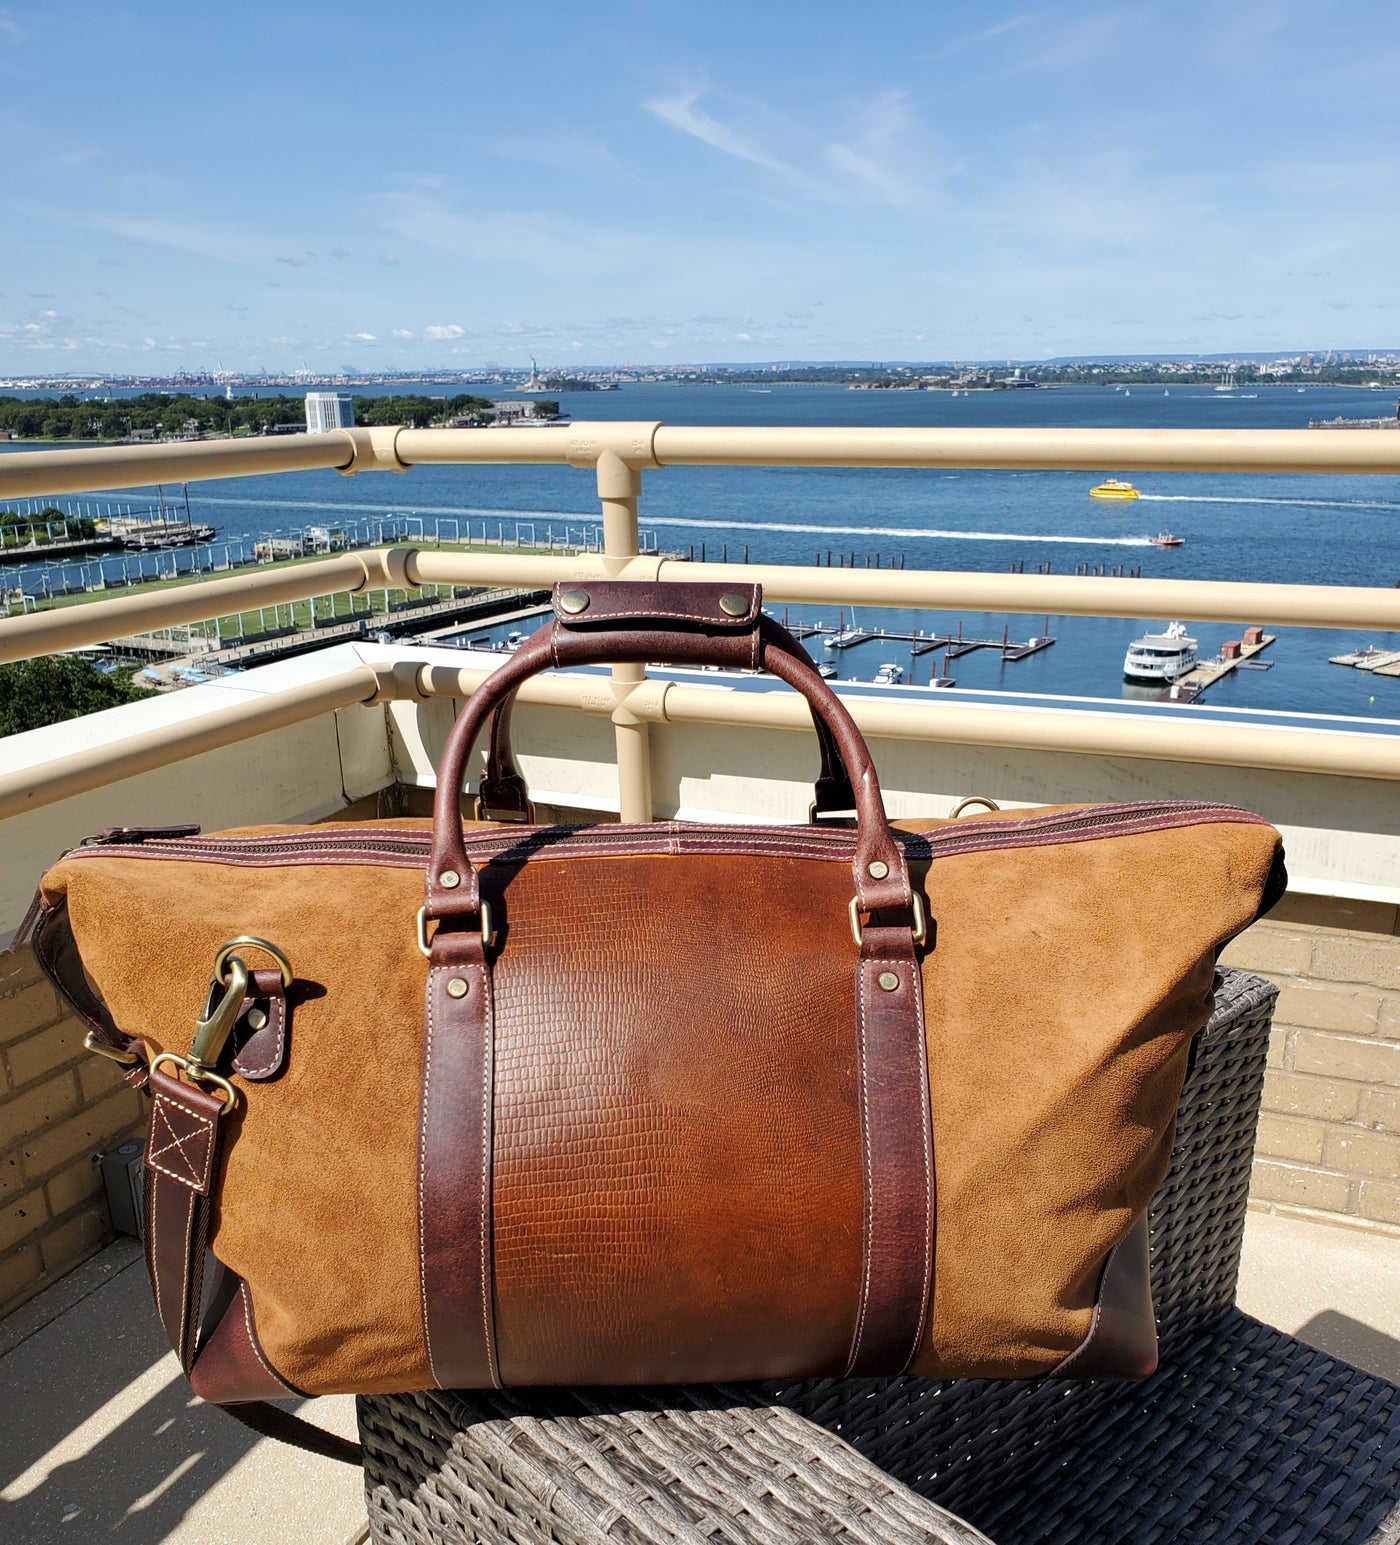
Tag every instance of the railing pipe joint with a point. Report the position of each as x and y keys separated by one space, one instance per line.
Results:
x=375 y=450
x=632 y=443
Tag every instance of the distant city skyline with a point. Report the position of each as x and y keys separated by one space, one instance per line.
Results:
x=644 y=182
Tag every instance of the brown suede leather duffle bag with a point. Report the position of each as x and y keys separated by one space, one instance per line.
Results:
x=486 y=1104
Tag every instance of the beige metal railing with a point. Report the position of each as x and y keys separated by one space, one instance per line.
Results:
x=619 y=454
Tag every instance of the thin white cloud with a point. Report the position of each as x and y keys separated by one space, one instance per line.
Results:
x=361 y=338
x=680 y=113
x=976 y=39
x=439 y=334
x=198 y=237
x=10 y=28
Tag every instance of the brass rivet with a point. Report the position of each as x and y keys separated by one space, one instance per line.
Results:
x=733 y=604
x=573 y=601
x=256 y=1019
x=879 y=869
x=888 y=980
x=449 y=879
x=457 y=988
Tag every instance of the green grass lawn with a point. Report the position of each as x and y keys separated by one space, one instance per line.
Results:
x=297 y=614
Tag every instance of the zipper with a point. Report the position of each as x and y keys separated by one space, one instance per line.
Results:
x=409 y=849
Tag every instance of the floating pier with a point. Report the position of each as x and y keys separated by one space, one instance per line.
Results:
x=1187 y=688
x=954 y=645
x=1378 y=662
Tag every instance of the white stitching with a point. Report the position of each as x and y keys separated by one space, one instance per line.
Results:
x=422 y=1165
x=487 y=1029
x=1094 y=1318
x=925 y=1099
x=592 y=623
x=198 y=1176
x=868 y=1178
x=253 y=1340
x=278 y=1006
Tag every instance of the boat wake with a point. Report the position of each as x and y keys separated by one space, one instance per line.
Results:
x=452 y=511
x=1312 y=504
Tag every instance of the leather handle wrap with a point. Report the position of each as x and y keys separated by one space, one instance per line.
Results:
x=675 y=624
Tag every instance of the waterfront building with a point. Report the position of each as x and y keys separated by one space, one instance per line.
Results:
x=329 y=410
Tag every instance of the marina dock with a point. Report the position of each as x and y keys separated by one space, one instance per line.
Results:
x=1378 y=662
x=954 y=644
x=1187 y=688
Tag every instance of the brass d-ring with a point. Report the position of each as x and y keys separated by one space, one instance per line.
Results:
x=200 y=1075
x=247 y=941
x=919 y=926
x=972 y=799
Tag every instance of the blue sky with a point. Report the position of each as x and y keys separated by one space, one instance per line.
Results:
x=353 y=185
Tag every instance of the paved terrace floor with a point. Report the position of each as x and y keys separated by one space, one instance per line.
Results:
x=103 y=1440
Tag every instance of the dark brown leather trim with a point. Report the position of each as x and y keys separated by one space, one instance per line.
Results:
x=261 y=1054
x=454 y=1166
x=230 y=1366
x=620 y=602
x=501 y=793
x=1122 y=1338
x=182 y=1151
x=896 y=1156
x=57 y=953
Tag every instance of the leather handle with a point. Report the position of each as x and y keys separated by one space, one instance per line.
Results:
x=501 y=793
x=618 y=621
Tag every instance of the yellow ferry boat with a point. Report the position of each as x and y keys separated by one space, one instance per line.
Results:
x=1111 y=488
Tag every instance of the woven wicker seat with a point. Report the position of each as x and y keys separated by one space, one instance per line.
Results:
x=1243 y=1435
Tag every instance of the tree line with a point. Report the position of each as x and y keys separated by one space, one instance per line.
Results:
x=180 y=414
x=18 y=530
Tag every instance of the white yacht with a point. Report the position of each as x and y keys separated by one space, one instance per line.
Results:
x=889 y=675
x=1160 y=656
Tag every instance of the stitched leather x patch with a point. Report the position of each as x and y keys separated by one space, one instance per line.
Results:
x=180 y=1144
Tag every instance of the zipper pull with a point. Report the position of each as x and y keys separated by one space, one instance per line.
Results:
x=116 y=835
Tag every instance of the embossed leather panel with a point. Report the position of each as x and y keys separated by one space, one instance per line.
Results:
x=697 y=1126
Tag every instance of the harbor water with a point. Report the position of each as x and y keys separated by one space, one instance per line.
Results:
x=1279 y=528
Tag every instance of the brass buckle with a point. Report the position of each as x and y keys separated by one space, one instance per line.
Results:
x=201 y=1075
x=488 y=932
x=816 y=817
x=527 y=819
x=126 y=1058
x=919 y=930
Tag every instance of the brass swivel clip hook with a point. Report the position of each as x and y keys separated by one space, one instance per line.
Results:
x=228 y=990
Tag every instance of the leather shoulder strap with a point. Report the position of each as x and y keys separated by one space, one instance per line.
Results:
x=182 y=1159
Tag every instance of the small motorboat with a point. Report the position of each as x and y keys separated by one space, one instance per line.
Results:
x=1166 y=539
x=889 y=675
x=1112 y=488
x=825 y=669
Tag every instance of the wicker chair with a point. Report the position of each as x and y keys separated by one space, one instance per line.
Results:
x=1243 y=1435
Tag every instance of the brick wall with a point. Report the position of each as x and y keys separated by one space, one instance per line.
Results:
x=1329 y=1134
x=58 y=1106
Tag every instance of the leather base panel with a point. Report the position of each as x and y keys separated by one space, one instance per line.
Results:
x=1122 y=1339
x=231 y=1367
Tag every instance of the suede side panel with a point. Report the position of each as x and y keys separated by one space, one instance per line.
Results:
x=319 y=1197
x=1061 y=996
